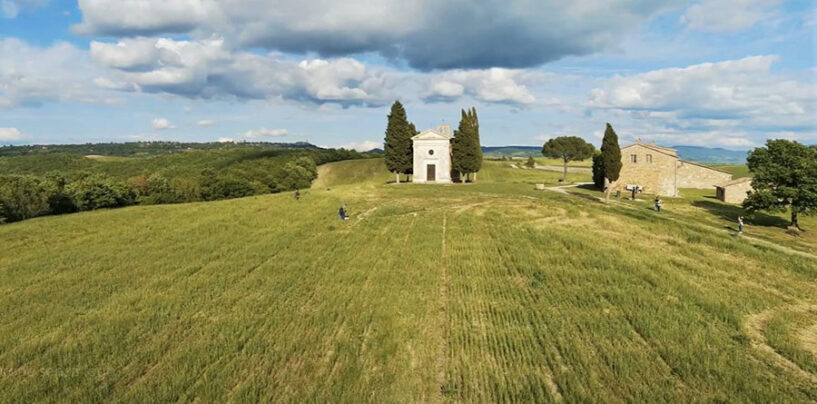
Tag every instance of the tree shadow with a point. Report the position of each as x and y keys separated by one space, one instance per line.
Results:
x=731 y=213
x=590 y=187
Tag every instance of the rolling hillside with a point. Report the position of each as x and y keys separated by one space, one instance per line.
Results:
x=486 y=292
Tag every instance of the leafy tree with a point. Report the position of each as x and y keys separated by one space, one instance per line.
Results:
x=96 y=191
x=397 y=146
x=23 y=197
x=610 y=159
x=531 y=163
x=466 y=149
x=299 y=173
x=598 y=170
x=785 y=177
x=568 y=148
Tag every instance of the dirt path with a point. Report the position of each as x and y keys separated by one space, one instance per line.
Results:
x=562 y=189
x=755 y=328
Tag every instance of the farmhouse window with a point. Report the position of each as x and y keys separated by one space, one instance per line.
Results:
x=649 y=158
x=633 y=158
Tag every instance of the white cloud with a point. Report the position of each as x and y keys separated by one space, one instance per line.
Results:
x=30 y=75
x=226 y=140
x=206 y=122
x=489 y=85
x=162 y=123
x=265 y=133
x=363 y=146
x=207 y=69
x=428 y=34
x=744 y=89
x=727 y=15
x=11 y=134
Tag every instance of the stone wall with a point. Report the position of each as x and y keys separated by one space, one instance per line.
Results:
x=656 y=173
x=736 y=193
x=691 y=175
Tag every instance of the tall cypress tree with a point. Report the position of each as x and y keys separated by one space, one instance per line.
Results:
x=397 y=145
x=460 y=147
x=476 y=162
x=610 y=158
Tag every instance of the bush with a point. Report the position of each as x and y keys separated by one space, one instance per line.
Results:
x=97 y=191
x=226 y=187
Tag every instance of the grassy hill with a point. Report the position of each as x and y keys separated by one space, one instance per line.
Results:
x=477 y=292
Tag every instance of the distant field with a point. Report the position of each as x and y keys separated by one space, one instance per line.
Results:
x=486 y=292
x=737 y=171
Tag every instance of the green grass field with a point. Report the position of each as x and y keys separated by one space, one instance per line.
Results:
x=485 y=292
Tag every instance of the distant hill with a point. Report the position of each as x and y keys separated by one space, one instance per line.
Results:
x=512 y=151
x=142 y=149
x=697 y=154
x=706 y=155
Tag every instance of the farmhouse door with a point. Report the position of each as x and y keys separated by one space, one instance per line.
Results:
x=431 y=172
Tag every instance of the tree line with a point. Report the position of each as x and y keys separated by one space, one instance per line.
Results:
x=29 y=192
x=466 y=151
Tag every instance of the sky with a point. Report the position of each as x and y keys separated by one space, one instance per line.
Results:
x=715 y=73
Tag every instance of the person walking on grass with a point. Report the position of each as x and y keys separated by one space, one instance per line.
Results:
x=740 y=224
x=342 y=213
x=657 y=204
x=297 y=195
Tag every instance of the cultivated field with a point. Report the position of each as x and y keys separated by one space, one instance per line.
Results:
x=478 y=292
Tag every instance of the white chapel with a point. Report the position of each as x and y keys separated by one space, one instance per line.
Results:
x=432 y=155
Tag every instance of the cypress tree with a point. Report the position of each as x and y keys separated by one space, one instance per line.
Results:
x=460 y=147
x=397 y=145
x=610 y=158
x=476 y=163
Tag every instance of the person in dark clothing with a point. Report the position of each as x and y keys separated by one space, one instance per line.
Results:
x=657 y=204
x=740 y=224
x=342 y=213
x=297 y=194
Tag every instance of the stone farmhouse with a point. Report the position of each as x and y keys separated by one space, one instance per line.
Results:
x=734 y=191
x=432 y=155
x=658 y=170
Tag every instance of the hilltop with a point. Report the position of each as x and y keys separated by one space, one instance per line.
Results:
x=486 y=292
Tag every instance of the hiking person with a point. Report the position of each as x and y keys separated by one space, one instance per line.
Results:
x=297 y=194
x=634 y=190
x=740 y=224
x=342 y=213
x=657 y=204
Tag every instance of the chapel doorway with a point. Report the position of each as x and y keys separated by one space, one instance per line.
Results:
x=431 y=173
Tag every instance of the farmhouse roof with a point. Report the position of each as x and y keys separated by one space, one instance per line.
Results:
x=734 y=182
x=663 y=150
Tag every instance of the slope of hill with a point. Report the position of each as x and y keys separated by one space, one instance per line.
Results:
x=483 y=292
x=512 y=151
x=706 y=155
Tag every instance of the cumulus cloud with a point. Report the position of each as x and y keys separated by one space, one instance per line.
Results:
x=226 y=140
x=162 y=123
x=206 y=122
x=733 y=103
x=265 y=133
x=735 y=89
x=207 y=69
x=427 y=34
x=727 y=15
x=30 y=75
x=10 y=134
x=490 y=85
